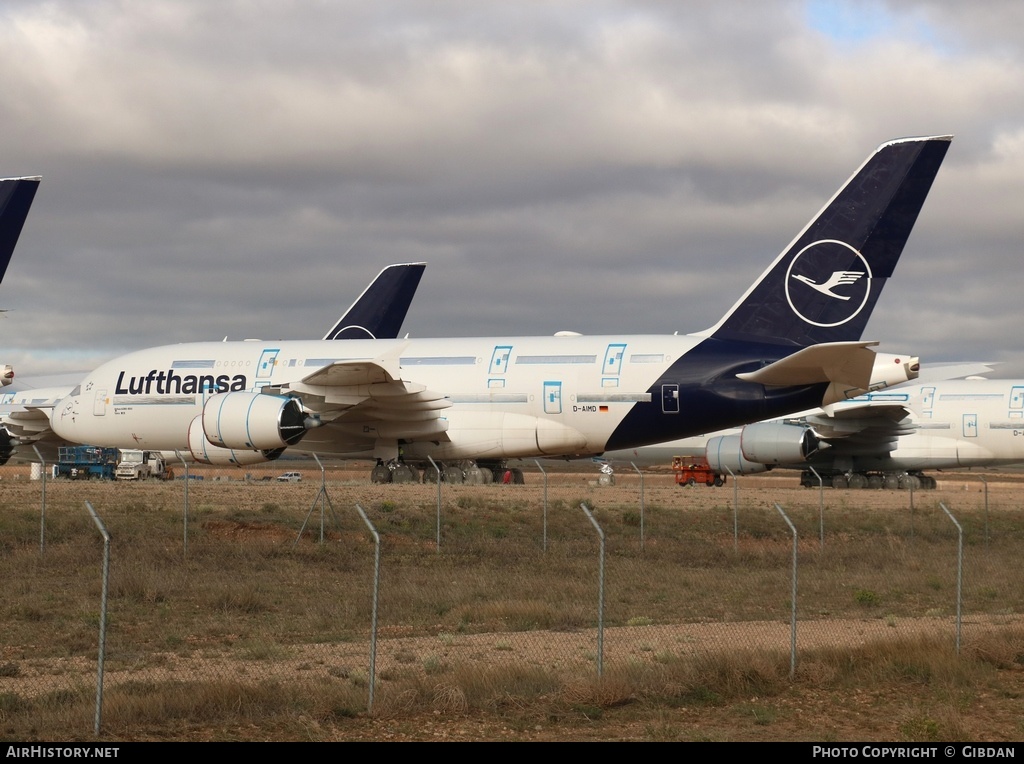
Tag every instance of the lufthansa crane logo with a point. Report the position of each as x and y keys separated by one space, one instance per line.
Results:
x=828 y=283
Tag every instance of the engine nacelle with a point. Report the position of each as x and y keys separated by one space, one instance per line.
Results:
x=777 y=443
x=205 y=452
x=892 y=370
x=253 y=421
x=6 y=374
x=724 y=455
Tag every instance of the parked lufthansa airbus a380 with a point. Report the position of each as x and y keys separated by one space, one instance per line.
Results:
x=791 y=343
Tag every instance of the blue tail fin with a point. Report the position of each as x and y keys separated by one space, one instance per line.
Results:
x=381 y=308
x=824 y=285
x=16 y=195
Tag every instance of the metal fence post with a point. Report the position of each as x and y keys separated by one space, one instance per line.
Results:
x=985 y=482
x=103 y=617
x=545 y=530
x=184 y=513
x=792 y=618
x=376 y=598
x=959 y=572
x=638 y=472
x=323 y=500
x=821 y=506
x=600 y=591
x=42 y=500
x=438 y=470
x=735 y=511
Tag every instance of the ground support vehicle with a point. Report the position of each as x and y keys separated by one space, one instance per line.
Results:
x=140 y=465
x=86 y=462
x=691 y=470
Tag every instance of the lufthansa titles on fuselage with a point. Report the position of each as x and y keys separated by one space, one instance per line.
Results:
x=170 y=383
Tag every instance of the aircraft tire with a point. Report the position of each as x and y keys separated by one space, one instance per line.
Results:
x=405 y=473
x=875 y=482
x=380 y=474
x=840 y=481
x=910 y=482
x=858 y=481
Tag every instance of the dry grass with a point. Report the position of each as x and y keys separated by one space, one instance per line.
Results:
x=250 y=635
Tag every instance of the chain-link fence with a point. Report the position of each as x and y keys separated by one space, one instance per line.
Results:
x=234 y=584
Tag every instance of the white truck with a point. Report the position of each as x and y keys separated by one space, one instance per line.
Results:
x=139 y=465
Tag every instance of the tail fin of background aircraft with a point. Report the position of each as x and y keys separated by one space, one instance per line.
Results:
x=824 y=285
x=379 y=311
x=16 y=195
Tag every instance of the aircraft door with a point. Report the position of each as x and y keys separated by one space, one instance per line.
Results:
x=670 y=399
x=552 y=397
x=99 y=403
x=970 y=425
x=1016 y=402
x=499 y=359
x=927 y=401
x=612 y=364
x=268 y=360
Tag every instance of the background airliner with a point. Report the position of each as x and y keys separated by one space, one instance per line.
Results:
x=885 y=439
x=16 y=195
x=784 y=347
x=25 y=408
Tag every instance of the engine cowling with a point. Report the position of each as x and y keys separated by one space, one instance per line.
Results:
x=724 y=455
x=777 y=443
x=253 y=421
x=205 y=452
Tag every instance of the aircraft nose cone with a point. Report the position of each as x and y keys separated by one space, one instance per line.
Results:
x=62 y=418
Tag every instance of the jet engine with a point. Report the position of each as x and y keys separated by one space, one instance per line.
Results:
x=777 y=443
x=205 y=452
x=761 y=446
x=253 y=421
x=724 y=455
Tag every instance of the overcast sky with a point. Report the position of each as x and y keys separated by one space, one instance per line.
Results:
x=243 y=169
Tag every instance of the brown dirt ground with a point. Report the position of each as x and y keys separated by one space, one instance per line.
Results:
x=810 y=710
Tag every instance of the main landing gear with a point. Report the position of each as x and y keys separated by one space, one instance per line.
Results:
x=458 y=473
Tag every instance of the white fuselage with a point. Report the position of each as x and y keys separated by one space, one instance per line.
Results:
x=579 y=387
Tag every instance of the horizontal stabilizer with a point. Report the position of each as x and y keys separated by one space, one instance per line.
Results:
x=849 y=363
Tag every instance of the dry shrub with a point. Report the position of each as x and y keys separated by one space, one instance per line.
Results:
x=601 y=692
x=511 y=615
x=449 y=700
x=1003 y=649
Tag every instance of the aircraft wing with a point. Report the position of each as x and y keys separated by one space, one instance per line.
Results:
x=361 y=401
x=863 y=427
x=28 y=424
x=940 y=372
